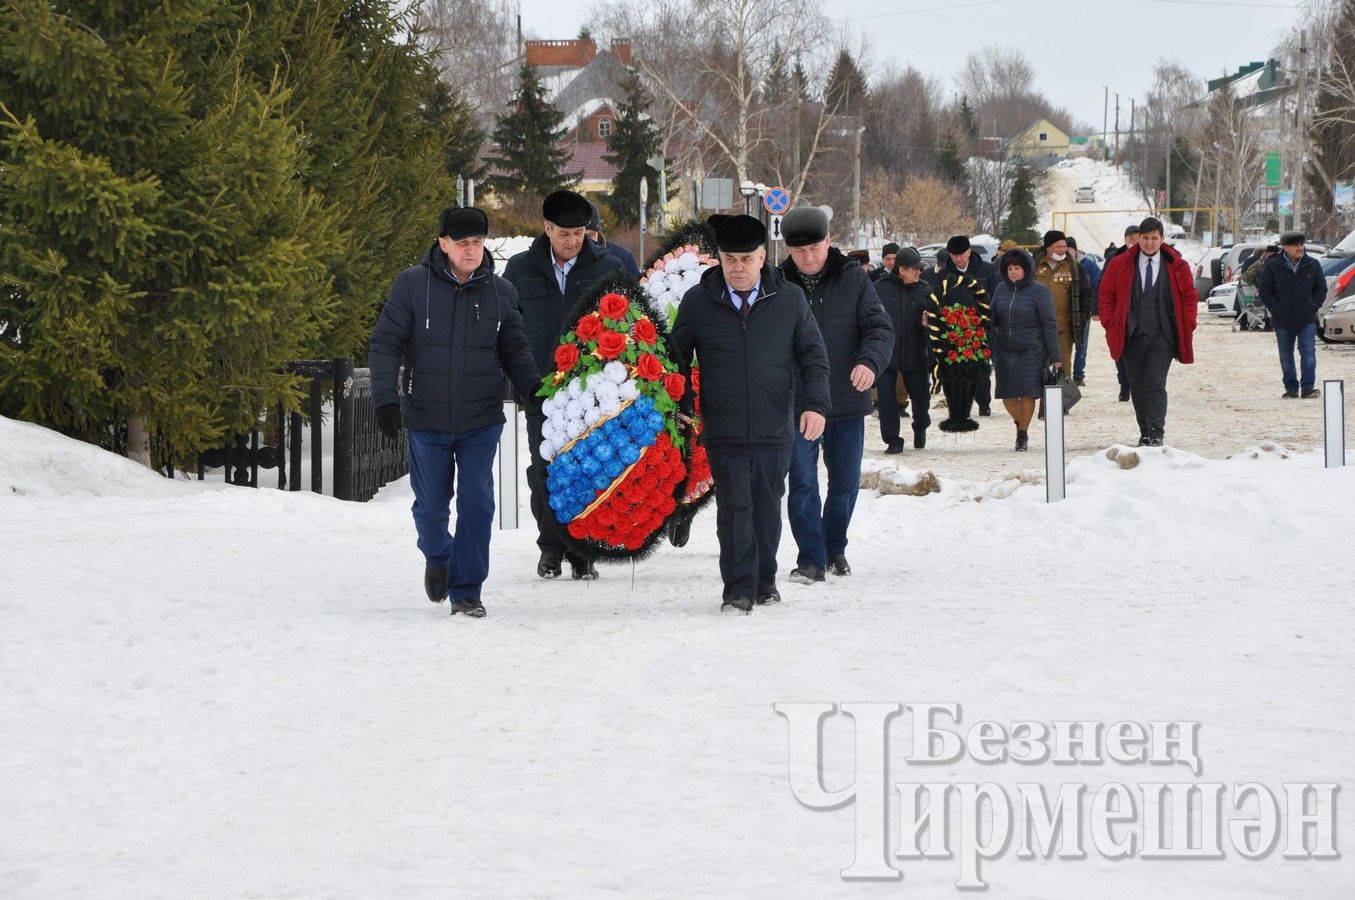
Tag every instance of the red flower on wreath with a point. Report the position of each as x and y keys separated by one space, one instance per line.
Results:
x=952 y=356
x=649 y=368
x=696 y=379
x=613 y=306
x=645 y=332
x=611 y=344
x=566 y=355
x=589 y=327
x=673 y=384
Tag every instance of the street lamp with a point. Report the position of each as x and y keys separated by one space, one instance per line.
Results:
x=748 y=189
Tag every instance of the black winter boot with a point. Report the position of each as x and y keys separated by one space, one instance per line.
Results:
x=435 y=583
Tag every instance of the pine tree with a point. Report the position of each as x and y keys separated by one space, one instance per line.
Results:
x=800 y=79
x=968 y=119
x=528 y=155
x=777 y=86
x=633 y=142
x=202 y=196
x=461 y=136
x=1021 y=213
x=846 y=91
x=949 y=165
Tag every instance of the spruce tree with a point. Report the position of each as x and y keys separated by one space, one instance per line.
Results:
x=845 y=93
x=1021 y=213
x=949 y=165
x=968 y=119
x=777 y=86
x=462 y=138
x=528 y=155
x=633 y=142
x=202 y=196
x=800 y=79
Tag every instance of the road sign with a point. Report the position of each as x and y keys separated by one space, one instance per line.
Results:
x=774 y=227
x=1272 y=170
x=644 y=190
x=717 y=193
x=777 y=201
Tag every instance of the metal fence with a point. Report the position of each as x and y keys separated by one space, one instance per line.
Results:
x=364 y=460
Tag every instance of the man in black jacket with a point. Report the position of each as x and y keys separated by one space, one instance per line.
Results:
x=456 y=327
x=961 y=260
x=859 y=337
x=1292 y=288
x=887 y=256
x=550 y=276
x=904 y=296
x=752 y=332
x=623 y=256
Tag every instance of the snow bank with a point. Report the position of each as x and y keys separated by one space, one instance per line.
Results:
x=38 y=462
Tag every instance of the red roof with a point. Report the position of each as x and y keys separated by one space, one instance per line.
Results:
x=588 y=158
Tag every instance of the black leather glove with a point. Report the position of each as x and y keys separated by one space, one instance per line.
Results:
x=388 y=420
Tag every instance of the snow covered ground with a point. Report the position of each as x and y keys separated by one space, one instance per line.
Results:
x=221 y=692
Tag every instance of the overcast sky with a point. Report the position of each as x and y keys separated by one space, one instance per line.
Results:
x=1076 y=47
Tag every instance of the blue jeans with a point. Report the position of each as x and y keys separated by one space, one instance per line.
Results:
x=1080 y=352
x=434 y=457
x=820 y=528
x=1305 y=336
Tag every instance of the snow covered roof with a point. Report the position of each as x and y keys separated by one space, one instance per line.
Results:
x=581 y=113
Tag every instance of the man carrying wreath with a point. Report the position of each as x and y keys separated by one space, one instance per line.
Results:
x=753 y=331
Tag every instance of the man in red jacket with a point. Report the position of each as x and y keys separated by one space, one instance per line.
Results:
x=1148 y=308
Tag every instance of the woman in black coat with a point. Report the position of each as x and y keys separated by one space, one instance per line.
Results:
x=1025 y=339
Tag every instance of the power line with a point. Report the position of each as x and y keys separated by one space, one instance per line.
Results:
x=1230 y=3
x=910 y=12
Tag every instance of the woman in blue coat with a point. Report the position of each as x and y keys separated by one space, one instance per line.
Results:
x=1025 y=339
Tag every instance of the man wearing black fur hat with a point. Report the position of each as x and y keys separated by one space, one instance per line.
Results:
x=961 y=260
x=859 y=337
x=1070 y=289
x=753 y=333
x=454 y=324
x=550 y=276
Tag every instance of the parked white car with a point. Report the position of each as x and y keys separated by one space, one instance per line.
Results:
x=1222 y=300
x=1338 y=325
x=1086 y=194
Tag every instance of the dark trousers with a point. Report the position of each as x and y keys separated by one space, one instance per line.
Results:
x=1122 y=374
x=549 y=532
x=1286 y=338
x=1080 y=354
x=750 y=480
x=820 y=526
x=1147 y=359
x=443 y=465
x=919 y=385
x=961 y=383
x=983 y=390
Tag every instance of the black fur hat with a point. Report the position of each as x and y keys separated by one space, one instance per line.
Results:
x=567 y=209
x=457 y=222
x=740 y=234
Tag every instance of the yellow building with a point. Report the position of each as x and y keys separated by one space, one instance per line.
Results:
x=1042 y=138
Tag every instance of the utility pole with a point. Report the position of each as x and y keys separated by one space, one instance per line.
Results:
x=1105 y=119
x=1130 y=139
x=1301 y=156
x=795 y=143
x=856 y=187
x=1117 y=129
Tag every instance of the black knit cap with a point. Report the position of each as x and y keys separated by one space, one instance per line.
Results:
x=594 y=220
x=804 y=225
x=957 y=245
x=889 y=248
x=457 y=222
x=567 y=209
x=907 y=258
x=1052 y=237
x=740 y=234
